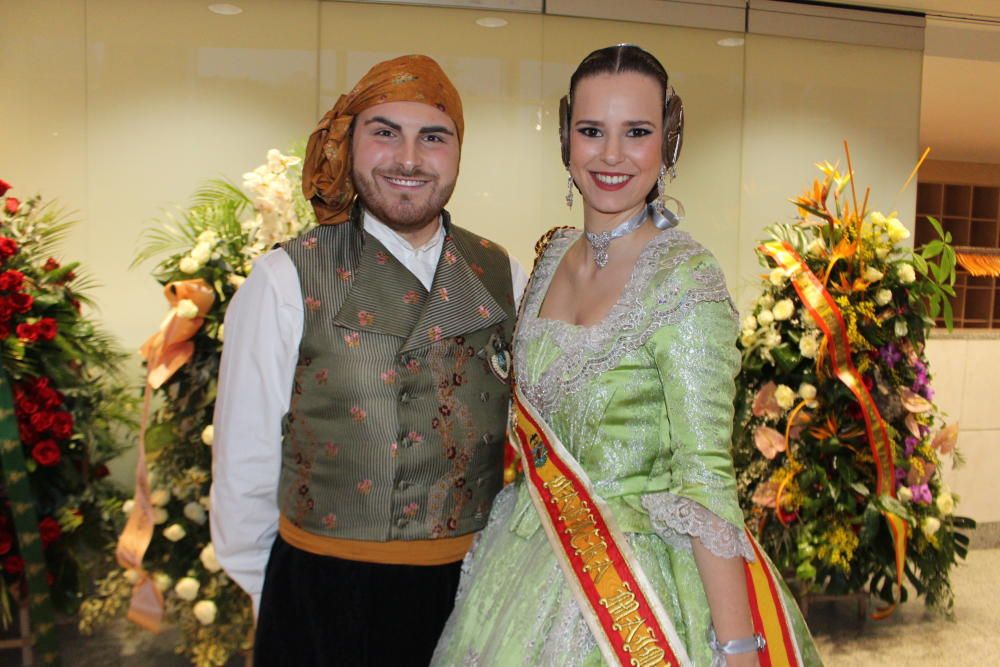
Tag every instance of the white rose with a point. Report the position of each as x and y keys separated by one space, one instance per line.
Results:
x=196 y=513
x=900 y=328
x=945 y=503
x=208 y=559
x=131 y=576
x=160 y=515
x=808 y=347
x=162 y=581
x=765 y=317
x=807 y=391
x=189 y=265
x=187 y=309
x=906 y=273
x=205 y=611
x=128 y=506
x=883 y=297
x=930 y=526
x=872 y=275
x=784 y=396
x=208 y=435
x=783 y=309
x=897 y=231
x=765 y=301
x=174 y=532
x=749 y=323
x=904 y=494
x=236 y=280
x=201 y=252
x=187 y=588
x=777 y=277
x=159 y=497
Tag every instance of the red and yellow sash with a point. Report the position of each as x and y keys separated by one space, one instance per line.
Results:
x=624 y=613
x=827 y=316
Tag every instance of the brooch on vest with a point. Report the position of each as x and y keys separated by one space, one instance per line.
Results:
x=498 y=358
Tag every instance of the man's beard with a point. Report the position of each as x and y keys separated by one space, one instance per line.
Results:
x=402 y=213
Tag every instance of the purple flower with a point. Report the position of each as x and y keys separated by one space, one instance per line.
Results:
x=911 y=444
x=890 y=355
x=921 y=494
x=900 y=477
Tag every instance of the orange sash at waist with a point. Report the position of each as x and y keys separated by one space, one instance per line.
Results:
x=398 y=552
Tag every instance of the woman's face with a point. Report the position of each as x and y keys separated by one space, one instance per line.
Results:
x=616 y=134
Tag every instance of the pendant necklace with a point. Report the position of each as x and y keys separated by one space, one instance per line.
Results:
x=602 y=240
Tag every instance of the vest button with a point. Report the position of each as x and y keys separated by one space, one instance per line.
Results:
x=487 y=439
x=404 y=397
x=485 y=396
x=401 y=522
x=402 y=485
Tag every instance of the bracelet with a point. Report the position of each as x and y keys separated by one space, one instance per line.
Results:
x=736 y=646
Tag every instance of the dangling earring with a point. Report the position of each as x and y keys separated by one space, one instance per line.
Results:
x=663 y=217
x=569 y=192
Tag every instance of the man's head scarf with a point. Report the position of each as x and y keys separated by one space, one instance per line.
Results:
x=326 y=171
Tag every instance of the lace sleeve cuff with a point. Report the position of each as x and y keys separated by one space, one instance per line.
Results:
x=677 y=519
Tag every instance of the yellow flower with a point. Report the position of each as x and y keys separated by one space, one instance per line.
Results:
x=837 y=547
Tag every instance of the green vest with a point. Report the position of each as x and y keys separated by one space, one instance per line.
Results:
x=397 y=419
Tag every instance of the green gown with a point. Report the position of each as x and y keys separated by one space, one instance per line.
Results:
x=644 y=401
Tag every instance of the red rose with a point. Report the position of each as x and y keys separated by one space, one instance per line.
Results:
x=28 y=435
x=6 y=310
x=4 y=332
x=4 y=187
x=62 y=425
x=46 y=453
x=41 y=421
x=51 y=264
x=49 y=530
x=27 y=332
x=47 y=328
x=22 y=302
x=27 y=406
x=50 y=398
x=12 y=205
x=8 y=247
x=41 y=382
x=6 y=542
x=11 y=280
x=14 y=565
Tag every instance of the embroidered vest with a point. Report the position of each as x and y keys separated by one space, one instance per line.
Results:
x=398 y=412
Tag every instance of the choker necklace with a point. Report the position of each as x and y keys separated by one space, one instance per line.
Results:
x=602 y=240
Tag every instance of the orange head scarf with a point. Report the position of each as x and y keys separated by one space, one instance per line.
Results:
x=326 y=171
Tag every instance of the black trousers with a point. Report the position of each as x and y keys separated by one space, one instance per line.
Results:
x=319 y=611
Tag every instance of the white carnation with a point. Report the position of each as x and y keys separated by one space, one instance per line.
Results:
x=131 y=576
x=160 y=515
x=900 y=328
x=784 y=396
x=945 y=503
x=930 y=526
x=896 y=230
x=807 y=391
x=765 y=301
x=201 y=252
x=906 y=273
x=883 y=297
x=777 y=276
x=159 y=497
x=765 y=317
x=208 y=559
x=205 y=611
x=187 y=588
x=904 y=494
x=208 y=435
x=872 y=275
x=189 y=264
x=750 y=323
x=195 y=513
x=808 y=347
x=174 y=532
x=783 y=309
x=208 y=236
x=162 y=581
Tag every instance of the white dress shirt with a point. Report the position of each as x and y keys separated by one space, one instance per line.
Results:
x=263 y=329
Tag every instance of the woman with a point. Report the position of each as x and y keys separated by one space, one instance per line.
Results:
x=624 y=541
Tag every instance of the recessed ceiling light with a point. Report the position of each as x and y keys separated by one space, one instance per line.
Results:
x=491 y=22
x=731 y=41
x=225 y=9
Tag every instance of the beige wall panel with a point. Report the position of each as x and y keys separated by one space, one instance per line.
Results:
x=43 y=138
x=803 y=98
x=708 y=79
x=975 y=482
x=177 y=95
x=497 y=72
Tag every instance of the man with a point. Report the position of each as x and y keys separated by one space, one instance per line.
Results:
x=363 y=390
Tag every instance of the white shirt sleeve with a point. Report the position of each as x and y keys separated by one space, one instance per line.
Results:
x=519 y=280
x=263 y=330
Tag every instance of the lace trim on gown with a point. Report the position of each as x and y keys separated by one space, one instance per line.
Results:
x=628 y=325
x=677 y=519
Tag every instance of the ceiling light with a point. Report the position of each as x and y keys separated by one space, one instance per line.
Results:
x=731 y=41
x=225 y=9
x=491 y=22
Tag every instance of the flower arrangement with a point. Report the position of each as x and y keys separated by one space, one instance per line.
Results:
x=71 y=407
x=214 y=244
x=838 y=444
